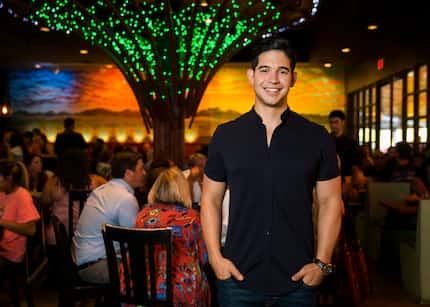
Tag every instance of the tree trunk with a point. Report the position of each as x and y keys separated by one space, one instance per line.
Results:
x=169 y=139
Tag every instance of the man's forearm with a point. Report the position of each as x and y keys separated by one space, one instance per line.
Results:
x=329 y=223
x=210 y=215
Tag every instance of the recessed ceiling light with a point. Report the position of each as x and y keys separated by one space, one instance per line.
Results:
x=204 y=3
x=328 y=65
x=83 y=51
x=372 y=27
x=37 y=66
x=346 y=50
x=44 y=29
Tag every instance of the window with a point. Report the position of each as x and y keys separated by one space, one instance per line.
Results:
x=393 y=110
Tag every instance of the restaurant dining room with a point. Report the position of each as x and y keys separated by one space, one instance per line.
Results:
x=132 y=173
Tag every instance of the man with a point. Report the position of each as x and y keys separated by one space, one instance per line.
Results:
x=346 y=147
x=113 y=203
x=272 y=159
x=69 y=138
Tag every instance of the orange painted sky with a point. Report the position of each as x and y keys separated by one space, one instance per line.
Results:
x=108 y=89
x=317 y=91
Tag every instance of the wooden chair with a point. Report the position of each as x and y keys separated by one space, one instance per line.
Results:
x=76 y=196
x=36 y=259
x=72 y=288
x=138 y=249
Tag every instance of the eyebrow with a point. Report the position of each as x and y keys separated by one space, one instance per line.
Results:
x=267 y=66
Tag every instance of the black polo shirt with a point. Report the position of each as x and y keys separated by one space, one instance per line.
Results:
x=270 y=231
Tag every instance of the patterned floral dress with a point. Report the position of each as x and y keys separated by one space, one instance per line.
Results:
x=190 y=285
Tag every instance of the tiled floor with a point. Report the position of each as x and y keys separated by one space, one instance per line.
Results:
x=387 y=292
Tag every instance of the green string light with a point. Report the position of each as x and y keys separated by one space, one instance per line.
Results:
x=168 y=47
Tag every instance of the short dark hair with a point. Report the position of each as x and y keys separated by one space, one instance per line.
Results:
x=404 y=150
x=123 y=161
x=68 y=122
x=274 y=43
x=337 y=113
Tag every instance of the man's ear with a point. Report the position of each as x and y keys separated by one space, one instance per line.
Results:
x=127 y=174
x=293 y=79
x=250 y=75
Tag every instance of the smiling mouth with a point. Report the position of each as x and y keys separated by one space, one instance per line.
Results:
x=272 y=90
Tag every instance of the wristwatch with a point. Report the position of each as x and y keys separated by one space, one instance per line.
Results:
x=326 y=268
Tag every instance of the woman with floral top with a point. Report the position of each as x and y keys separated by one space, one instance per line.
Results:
x=170 y=206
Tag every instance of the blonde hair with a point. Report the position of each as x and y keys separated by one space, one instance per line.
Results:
x=171 y=187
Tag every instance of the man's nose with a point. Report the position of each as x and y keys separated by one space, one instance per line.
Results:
x=273 y=77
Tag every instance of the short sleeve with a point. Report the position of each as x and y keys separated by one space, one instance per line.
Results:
x=27 y=212
x=215 y=168
x=328 y=167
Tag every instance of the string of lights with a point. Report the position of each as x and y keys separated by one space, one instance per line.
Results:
x=168 y=51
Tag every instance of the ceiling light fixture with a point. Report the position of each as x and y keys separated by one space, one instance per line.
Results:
x=346 y=50
x=204 y=3
x=372 y=27
x=83 y=51
x=37 y=66
x=328 y=65
x=44 y=29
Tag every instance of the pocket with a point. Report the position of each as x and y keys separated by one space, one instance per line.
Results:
x=224 y=283
x=306 y=286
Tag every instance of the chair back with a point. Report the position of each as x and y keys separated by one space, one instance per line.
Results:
x=137 y=250
x=80 y=197
x=68 y=269
x=379 y=191
x=36 y=259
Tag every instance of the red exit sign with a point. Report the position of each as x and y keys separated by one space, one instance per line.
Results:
x=380 y=64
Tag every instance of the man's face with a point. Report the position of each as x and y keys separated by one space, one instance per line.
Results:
x=336 y=125
x=137 y=175
x=272 y=78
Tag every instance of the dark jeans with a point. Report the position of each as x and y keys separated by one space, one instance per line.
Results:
x=231 y=295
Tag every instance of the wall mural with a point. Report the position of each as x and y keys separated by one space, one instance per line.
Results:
x=104 y=106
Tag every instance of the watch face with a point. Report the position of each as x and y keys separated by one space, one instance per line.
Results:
x=325 y=268
x=328 y=269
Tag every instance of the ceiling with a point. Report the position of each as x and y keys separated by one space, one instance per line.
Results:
x=338 y=24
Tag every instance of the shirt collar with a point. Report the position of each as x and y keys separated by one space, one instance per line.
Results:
x=284 y=116
x=124 y=184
